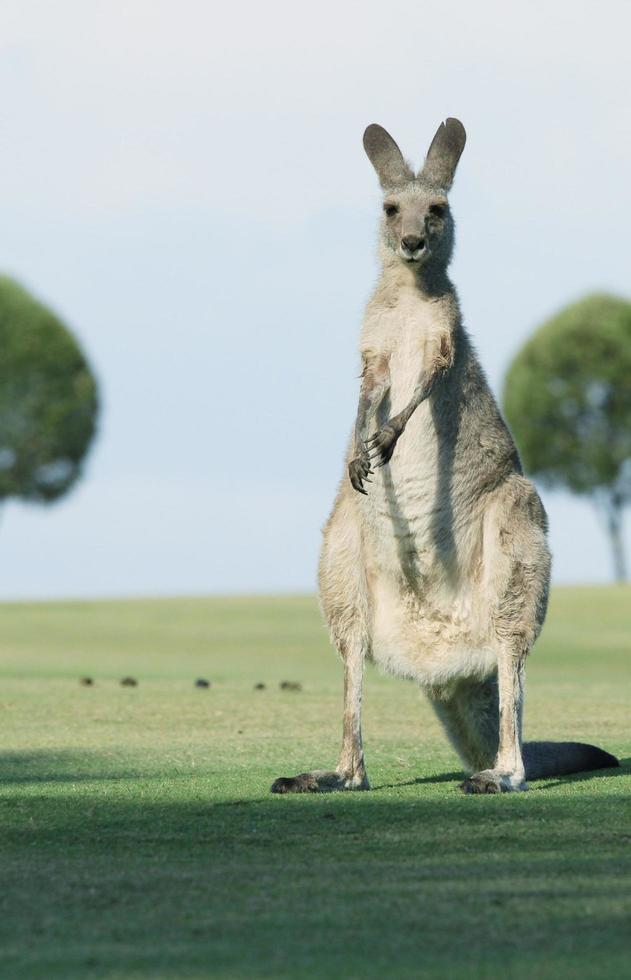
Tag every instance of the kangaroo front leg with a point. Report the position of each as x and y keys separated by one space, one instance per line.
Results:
x=508 y=771
x=351 y=771
x=381 y=446
x=375 y=381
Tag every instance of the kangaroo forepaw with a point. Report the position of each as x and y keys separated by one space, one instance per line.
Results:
x=381 y=445
x=319 y=782
x=492 y=781
x=359 y=469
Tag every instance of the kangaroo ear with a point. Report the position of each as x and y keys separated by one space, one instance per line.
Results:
x=443 y=155
x=386 y=157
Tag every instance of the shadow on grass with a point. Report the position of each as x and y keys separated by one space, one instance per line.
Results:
x=578 y=777
x=443 y=777
x=582 y=777
x=156 y=881
x=69 y=766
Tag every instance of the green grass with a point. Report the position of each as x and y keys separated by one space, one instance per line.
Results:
x=139 y=839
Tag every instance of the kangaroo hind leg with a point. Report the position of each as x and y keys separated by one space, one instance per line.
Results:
x=486 y=731
x=344 y=598
x=506 y=771
x=470 y=716
x=517 y=574
x=483 y=718
x=351 y=771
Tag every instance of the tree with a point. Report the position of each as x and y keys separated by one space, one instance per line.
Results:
x=567 y=398
x=48 y=400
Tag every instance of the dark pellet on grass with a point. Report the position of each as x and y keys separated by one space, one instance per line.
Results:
x=290 y=686
x=129 y=682
x=86 y=681
x=259 y=687
x=202 y=682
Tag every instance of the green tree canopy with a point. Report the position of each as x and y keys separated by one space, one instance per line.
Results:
x=567 y=398
x=48 y=400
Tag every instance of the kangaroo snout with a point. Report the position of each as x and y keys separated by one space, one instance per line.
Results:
x=412 y=246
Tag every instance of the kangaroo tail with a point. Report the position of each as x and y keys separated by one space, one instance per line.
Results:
x=543 y=759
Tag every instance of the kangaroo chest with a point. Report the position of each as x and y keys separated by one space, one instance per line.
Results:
x=405 y=338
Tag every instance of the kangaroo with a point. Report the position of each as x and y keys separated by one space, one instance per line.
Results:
x=434 y=563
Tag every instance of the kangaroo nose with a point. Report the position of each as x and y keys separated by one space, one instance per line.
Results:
x=412 y=243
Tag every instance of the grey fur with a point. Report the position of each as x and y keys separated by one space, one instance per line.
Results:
x=434 y=561
x=386 y=157
x=444 y=152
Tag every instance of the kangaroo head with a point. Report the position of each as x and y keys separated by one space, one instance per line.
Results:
x=417 y=226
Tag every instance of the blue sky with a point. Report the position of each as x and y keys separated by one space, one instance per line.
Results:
x=185 y=184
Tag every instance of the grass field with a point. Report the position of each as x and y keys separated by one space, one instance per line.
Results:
x=139 y=839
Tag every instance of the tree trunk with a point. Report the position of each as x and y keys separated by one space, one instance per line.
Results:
x=614 y=526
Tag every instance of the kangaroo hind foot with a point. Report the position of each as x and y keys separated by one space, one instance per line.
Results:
x=492 y=781
x=321 y=781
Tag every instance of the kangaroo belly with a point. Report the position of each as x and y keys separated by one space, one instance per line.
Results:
x=434 y=639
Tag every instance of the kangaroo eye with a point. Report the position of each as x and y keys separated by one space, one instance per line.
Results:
x=437 y=210
x=391 y=210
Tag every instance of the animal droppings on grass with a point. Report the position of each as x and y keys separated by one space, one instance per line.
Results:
x=86 y=681
x=260 y=686
x=290 y=686
x=129 y=682
x=202 y=682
